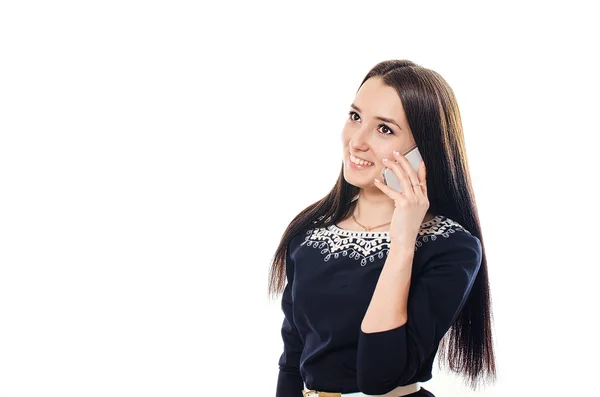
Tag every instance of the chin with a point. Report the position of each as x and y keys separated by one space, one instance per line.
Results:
x=361 y=179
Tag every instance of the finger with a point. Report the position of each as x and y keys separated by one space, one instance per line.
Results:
x=391 y=193
x=423 y=177
x=410 y=172
x=407 y=188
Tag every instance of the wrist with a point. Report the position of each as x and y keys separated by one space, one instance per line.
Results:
x=402 y=246
x=402 y=253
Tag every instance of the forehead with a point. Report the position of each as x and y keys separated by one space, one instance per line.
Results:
x=379 y=99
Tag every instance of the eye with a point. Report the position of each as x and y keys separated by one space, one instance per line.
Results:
x=390 y=132
x=352 y=113
x=387 y=130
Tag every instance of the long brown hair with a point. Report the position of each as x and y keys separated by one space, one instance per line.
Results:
x=434 y=118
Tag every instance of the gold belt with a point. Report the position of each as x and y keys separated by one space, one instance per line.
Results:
x=311 y=393
x=398 y=391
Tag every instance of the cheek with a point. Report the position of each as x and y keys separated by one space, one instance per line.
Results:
x=381 y=153
x=346 y=133
x=344 y=136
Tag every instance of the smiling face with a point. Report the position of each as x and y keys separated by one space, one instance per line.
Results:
x=376 y=126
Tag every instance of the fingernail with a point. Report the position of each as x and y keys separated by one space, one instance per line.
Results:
x=396 y=153
x=384 y=160
x=377 y=180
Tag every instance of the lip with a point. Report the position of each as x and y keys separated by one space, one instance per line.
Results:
x=360 y=158
x=355 y=166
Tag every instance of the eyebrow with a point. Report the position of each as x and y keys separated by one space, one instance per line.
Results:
x=377 y=117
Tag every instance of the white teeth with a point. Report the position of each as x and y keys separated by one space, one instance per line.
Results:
x=359 y=162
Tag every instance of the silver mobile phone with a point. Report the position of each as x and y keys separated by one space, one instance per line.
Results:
x=390 y=179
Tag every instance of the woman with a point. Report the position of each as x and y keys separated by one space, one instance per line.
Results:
x=376 y=277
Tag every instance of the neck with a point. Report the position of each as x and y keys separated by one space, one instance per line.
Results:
x=374 y=208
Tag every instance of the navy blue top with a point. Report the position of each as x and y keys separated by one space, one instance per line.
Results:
x=331 y=276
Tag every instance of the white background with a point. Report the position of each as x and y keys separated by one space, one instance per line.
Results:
x=152 y=154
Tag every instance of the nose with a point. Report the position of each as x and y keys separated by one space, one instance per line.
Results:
x=358 y=142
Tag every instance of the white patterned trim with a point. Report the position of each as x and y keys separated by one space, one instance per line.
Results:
x=358 y=233
x=439 y=226
x=335 y=244
x=367 y=246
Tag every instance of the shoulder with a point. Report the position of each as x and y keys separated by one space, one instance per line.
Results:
x=442 y=229
x=302 y=236
x=295 y=242
x=443 y=239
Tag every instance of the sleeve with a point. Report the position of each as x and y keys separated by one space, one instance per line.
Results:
x=390 y=358
x=289 y=381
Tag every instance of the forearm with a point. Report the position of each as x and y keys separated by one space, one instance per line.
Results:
x=388 y=307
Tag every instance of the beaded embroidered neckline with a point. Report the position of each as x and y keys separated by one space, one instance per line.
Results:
x=363 y=233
